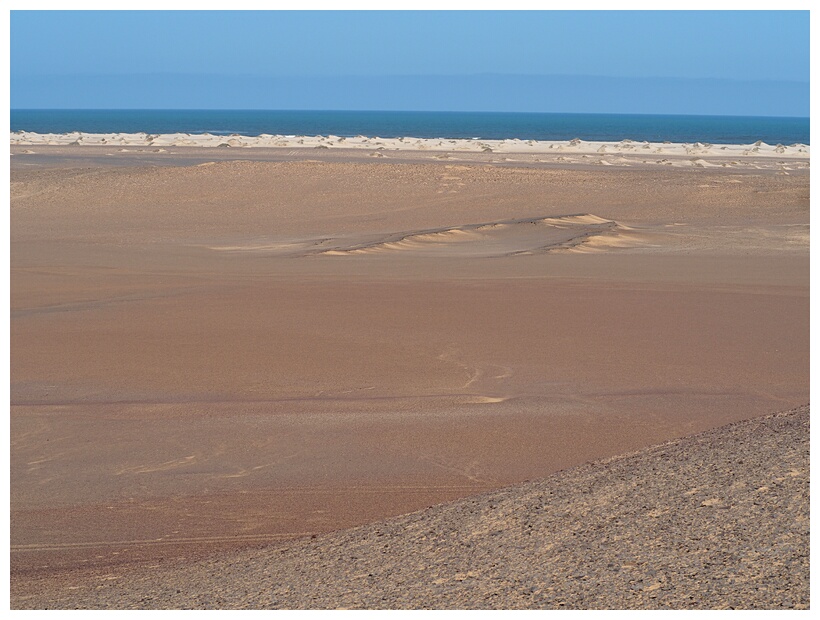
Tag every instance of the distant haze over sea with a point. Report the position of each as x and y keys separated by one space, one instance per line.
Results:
x=393 y=124
x=482 y=92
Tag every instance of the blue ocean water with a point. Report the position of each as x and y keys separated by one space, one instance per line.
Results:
x=484 y=125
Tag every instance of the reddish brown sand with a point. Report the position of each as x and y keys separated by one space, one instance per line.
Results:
x=212 y=356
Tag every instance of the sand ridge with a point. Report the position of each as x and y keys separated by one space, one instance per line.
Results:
x=514 y=237
x=205 y=140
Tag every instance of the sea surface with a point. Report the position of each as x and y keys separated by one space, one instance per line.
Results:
x=484 y=125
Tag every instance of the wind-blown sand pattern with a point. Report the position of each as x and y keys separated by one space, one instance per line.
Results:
x=501 y=238
x=221 y=348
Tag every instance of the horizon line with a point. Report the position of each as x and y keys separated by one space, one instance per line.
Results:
x=39 y=109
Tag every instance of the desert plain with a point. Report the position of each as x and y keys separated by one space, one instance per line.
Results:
x=214 y=349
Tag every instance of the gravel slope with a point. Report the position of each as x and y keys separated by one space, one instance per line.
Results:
x=717 y=520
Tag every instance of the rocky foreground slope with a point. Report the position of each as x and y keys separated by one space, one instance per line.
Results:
x=717 y=520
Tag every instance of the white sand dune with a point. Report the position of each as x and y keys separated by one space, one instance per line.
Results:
x=600 y=149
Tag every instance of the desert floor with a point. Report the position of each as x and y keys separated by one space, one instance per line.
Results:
x=715 y=520
x=212 y=351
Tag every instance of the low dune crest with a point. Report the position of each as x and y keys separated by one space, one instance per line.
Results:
x=512 y=237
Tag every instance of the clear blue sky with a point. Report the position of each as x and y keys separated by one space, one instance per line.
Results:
x=97 y=54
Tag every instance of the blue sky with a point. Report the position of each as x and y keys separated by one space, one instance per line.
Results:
x=109 y=59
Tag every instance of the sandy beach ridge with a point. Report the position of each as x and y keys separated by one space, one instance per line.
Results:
x=695 y=154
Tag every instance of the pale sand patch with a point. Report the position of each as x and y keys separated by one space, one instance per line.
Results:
x=628 y=152
x=485 y=240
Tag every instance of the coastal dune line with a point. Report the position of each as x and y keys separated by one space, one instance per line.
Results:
x=694 y=150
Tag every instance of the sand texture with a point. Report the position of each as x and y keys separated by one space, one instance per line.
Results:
x=221 y=348
x=719 y=520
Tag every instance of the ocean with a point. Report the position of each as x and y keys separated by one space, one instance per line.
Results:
x=484 y=125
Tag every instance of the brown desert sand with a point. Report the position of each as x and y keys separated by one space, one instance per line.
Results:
x=213 y=351
x=718 y=520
